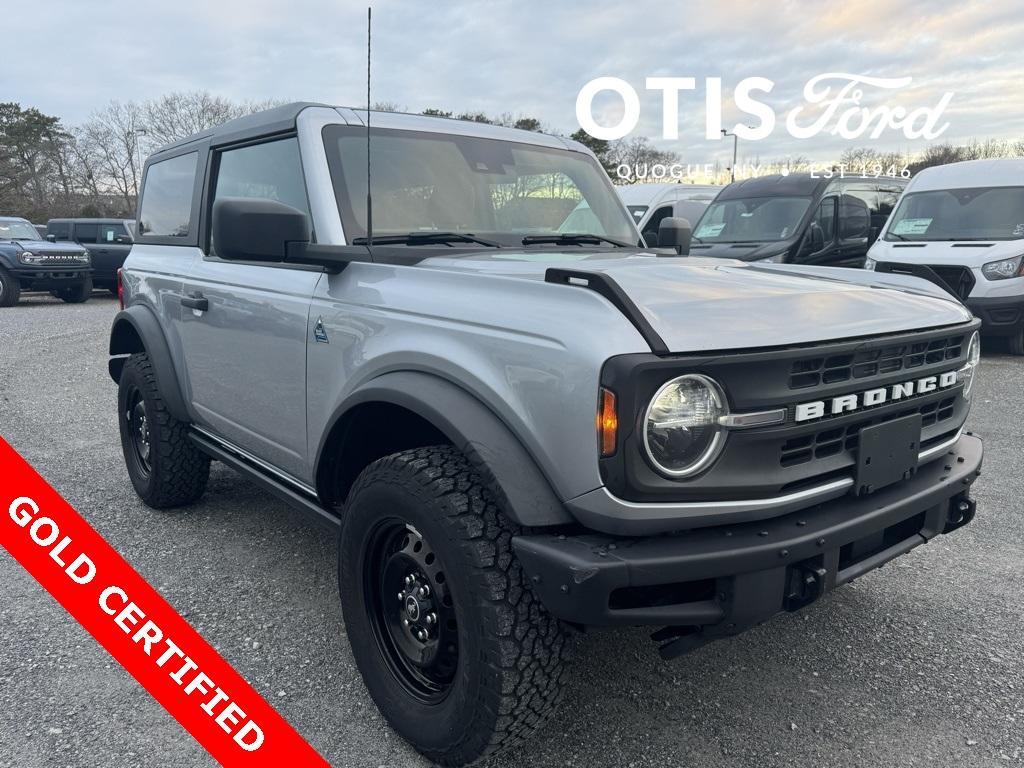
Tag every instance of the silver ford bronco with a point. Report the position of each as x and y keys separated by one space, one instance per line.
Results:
x=448 y=342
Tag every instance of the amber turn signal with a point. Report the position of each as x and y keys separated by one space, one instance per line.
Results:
x=607 y=423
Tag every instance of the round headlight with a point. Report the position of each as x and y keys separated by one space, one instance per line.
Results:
x=966 y=373
x=683 y=433
x=27 y=257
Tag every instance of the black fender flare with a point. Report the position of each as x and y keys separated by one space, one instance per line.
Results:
x=137 y=329
x=523 y=492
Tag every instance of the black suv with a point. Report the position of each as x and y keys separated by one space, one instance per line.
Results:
x=107 y=240
x=798 y=218
x=28 y=263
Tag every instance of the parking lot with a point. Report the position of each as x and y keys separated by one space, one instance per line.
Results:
x=921 y=663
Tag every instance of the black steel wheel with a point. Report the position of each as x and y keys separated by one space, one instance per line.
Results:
x=411 y=611
x=137 y=426
x=455 y=649
x=165 y=467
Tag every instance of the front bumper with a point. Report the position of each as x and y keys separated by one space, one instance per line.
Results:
x=714 y=582
x=1000 y=316
x=51 y=278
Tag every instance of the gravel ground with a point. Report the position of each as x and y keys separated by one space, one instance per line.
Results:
x=921 y=663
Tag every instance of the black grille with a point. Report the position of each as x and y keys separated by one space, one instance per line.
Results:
x=959 y=279
x=830 y=442
x=815 y=371
x=58 y=258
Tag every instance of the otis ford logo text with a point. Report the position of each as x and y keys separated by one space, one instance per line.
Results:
x=848 y=403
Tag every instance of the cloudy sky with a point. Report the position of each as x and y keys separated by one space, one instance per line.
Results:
x=530 y=58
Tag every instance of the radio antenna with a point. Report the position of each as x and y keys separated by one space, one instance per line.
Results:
x=369 y=198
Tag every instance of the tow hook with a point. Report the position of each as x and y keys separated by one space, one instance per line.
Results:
x=805 y=583
x=960 y=513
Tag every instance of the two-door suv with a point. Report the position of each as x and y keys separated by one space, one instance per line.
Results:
x=522 y=428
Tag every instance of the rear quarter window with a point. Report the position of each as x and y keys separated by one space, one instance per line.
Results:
x=166 y=209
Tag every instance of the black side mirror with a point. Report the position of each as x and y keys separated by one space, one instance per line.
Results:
x=816 y=237
x=255 y=229
x=51 y=238
x=675 y=233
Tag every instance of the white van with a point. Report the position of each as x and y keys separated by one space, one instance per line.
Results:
x=965 y=221
x=648 y=204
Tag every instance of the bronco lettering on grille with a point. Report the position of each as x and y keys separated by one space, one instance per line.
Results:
x=849 y=403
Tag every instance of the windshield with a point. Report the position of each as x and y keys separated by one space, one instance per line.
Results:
x=751 y=220
x=496 y=190
x=17 y=230
x=982 y=213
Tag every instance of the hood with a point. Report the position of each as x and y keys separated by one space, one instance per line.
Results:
x=45 y=246
x=741 y=251
x=714 y=304
x=963 y=253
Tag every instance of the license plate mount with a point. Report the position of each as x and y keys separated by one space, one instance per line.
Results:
x=887 y=453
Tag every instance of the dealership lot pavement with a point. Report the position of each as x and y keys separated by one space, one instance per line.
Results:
x=921 y=663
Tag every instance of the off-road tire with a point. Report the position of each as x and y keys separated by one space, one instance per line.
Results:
x=10 y=289
x=77 y=295
x=1016 y=343
x=177 y=471
x=511 y=649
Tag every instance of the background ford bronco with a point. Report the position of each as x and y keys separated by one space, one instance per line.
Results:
x=520 y=431
x=29 y=263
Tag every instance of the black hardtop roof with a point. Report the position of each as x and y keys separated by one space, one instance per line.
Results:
x=89 y=220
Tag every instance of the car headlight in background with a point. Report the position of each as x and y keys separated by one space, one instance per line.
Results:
x=27 y=257
x=1000 y=270
x=869 y=263
x=966 y=374
x=683 y=432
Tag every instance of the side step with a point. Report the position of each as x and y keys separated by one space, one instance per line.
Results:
x=292 y=497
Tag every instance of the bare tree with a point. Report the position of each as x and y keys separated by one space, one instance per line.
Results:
x=176 y=115
x=641 y=156
x=109 y=141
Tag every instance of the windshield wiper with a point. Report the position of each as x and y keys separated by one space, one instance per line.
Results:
x=573 y=239
x=428 y=238
x=901 y=237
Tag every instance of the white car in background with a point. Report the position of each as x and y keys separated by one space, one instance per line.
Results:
x=648 y=204
x=965 y=222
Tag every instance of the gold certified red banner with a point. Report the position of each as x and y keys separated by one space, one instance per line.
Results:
x=138 y=627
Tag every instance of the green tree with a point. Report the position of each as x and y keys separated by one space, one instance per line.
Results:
x=599 y=147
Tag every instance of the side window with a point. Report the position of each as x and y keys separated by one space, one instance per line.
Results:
x=113 y=233
x=854 y=218
x=167 y=197
x=271 y=171
x=59 y=229
x=887 y=198
x=86 y=233
x=826 y=218
x=651 y=227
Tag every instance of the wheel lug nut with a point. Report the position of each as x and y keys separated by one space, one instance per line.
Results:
x=401 y=595
x=405 y=622
x=430 y=618
x=424 y=591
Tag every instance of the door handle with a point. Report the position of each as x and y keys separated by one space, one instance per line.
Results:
x=195 y=300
